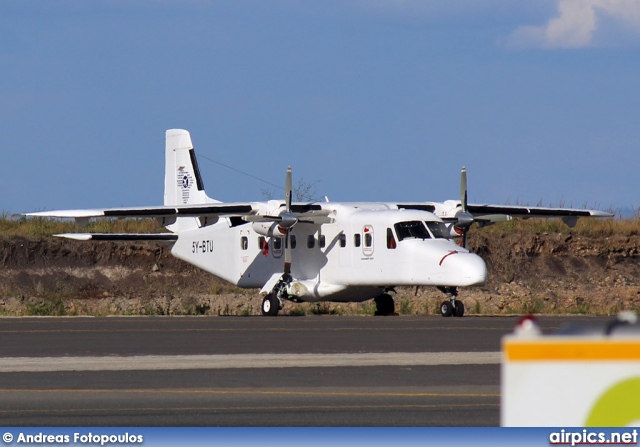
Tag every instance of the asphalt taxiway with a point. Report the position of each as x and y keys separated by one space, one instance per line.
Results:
x=254 y=371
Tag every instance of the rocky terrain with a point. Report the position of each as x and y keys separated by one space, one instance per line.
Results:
x=528 y=273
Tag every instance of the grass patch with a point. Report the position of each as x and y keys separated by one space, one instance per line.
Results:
x=46 y=307
x=436 y=307
x=365 y=308
x=246 y=311
x=323 y=309
x=583 y=306
x=532 y=306
x=588 y=227
x=405 y=307
x=477 y=308
x=201 y=309
x=297 y=311
x=39 y=228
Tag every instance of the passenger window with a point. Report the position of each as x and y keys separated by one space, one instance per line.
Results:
x=367 y=250
x=276 y=246
x=391 y=241
x=311 y=241
x=322 y=241
x=244 y=242
x=356 y=240
x=292 y=238
x=343 y=240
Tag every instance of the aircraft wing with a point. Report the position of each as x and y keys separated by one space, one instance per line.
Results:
x=168 y=214
x=483 y=214
x=532 y=211
x=238 y=212
x=214 y=209
x=304 y=211
x=450 y=211
x=488 y=214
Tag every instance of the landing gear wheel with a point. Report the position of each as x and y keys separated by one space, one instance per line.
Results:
x=384 y=304
x=270 y=305
x=459 y=309
x=446 y=309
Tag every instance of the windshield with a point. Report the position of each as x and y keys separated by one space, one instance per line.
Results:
x=439 y=230
x=412 y=229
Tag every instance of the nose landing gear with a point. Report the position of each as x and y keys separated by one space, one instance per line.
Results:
x=452 y=307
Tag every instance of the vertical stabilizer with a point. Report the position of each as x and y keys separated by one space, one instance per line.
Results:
x=182 y=181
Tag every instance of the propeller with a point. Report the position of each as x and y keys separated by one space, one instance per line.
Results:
x=287 y=218
x=464 y=218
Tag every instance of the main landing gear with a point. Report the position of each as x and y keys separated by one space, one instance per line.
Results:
x=384 y=304
x=272 y=303
x=451 y=307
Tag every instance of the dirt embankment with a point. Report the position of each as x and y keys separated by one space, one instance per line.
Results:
x=547 y=273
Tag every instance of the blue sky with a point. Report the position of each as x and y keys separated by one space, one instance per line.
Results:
x=374 y=100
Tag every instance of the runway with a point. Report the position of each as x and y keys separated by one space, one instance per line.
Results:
x=253 y=371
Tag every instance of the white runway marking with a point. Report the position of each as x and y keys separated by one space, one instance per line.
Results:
x=171 y=362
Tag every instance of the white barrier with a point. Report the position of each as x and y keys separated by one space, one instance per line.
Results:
x=571 y=381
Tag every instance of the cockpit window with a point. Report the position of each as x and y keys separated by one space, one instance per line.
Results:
x=438 y=229
x=414 y=229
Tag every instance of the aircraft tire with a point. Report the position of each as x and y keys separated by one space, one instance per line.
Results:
x=459 y=309
x=384 y=304
x=270 y=305
x=446 y=309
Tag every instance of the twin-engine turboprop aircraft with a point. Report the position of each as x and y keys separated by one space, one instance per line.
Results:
x=310 y=252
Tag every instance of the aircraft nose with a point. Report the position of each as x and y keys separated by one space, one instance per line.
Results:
x=464 y=269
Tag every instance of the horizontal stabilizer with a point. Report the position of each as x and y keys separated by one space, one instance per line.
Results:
x=119 y=236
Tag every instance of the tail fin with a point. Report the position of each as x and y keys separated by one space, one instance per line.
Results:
x=182 y=181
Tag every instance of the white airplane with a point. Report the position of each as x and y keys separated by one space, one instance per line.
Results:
x=311 y=252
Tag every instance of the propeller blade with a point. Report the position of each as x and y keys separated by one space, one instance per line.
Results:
x=287 y=254
x=318 y=220
x=290 y=219
x=463 y=189
x=261 y=218
x=465 y=219
x=287 y=190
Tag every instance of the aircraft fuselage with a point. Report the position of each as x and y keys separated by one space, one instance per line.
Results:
x=366 y=250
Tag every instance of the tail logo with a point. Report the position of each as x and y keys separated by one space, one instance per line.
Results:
x=185 y=180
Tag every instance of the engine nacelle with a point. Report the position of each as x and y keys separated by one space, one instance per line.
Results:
x=270 y=229
x=455 y=231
